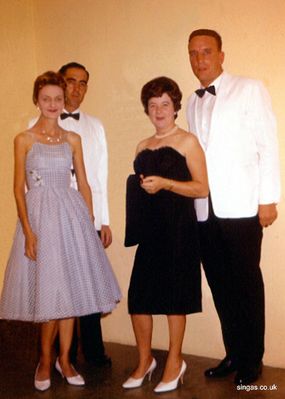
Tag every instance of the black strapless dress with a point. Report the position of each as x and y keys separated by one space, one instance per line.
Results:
x=166 y=277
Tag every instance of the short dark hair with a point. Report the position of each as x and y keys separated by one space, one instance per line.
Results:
x=65 y=67
x=207 y=32
x=47 y=78
x=157 y=87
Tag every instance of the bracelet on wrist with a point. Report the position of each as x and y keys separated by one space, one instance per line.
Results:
x=171 y=184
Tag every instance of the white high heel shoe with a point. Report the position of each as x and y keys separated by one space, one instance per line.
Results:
x=75 y=380
x=137 y=382
x=170 y=386
x=41 y=385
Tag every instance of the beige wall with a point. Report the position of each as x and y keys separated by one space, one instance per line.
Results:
x=124 y=43
x=18 y=70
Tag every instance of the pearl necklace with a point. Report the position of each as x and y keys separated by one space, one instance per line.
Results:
x=51 y=139
x=169 y=133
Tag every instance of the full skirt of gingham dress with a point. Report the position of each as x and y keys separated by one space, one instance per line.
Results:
x=71 y=275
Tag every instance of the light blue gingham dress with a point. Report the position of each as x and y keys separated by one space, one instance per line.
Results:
x=71 y=275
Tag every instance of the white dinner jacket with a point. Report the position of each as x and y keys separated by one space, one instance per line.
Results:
x=242 y=150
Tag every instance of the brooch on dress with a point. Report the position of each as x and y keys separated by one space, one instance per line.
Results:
x=38 y=179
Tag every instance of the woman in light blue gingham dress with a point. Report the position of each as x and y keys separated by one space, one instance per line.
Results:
x=57 y=268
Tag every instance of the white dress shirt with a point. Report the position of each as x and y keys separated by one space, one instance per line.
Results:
x=95 y=157
x=205 y=107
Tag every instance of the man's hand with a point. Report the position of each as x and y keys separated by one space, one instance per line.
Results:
x=106 y=236
x=267 y=214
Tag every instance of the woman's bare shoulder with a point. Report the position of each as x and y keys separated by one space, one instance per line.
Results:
x=187 y=138
x=72 y=138
x=24 y=138
x=186 y=135
x=188 y=143
x=70 y=135
x=143 y=144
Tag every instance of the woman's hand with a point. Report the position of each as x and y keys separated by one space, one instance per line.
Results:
x=153 y=184
x=31 y=246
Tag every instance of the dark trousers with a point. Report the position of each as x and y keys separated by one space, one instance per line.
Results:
x=230 y=252
x=91 y=337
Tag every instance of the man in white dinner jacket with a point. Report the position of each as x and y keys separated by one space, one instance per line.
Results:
x=95 y=156
x=233 y=119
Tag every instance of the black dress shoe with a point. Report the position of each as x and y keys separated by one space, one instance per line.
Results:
x=223 y=369
x=248 y=375
x=102 y=361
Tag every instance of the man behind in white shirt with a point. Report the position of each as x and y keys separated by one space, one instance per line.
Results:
x=95 y=156
x=233 y=120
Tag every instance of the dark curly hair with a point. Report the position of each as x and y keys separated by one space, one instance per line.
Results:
x=157 y=87
x=47 y=78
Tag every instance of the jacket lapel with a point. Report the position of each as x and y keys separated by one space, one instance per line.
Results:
x=221 y=98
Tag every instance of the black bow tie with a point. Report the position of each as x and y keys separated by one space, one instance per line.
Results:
x=210 y=89
x=65 y=115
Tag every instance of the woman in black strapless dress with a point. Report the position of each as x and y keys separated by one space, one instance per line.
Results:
x=170 y=172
